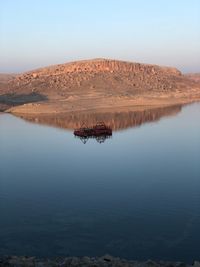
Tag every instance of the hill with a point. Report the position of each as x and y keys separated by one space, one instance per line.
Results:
x=194 y=76
x=4 y=79
x=97 y=84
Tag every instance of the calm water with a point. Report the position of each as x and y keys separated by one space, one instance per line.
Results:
x=137 y=195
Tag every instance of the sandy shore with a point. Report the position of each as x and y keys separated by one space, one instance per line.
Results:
x=105 y=104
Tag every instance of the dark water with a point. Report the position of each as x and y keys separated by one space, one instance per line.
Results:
x=137 y=195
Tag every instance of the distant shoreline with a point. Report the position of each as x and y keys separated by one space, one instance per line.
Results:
x=104 y=261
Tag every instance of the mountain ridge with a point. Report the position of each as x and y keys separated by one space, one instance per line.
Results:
x=99 y=60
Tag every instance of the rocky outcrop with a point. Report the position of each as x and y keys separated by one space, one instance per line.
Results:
x=103 y=65
x=100 y=74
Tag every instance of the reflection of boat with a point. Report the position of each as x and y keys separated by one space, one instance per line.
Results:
x=100 y=129
x=100 y=139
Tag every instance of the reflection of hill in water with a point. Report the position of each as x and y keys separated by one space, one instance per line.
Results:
x=116 y=120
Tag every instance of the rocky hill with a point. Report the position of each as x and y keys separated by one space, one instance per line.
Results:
x=98 y=75
x=96 y=84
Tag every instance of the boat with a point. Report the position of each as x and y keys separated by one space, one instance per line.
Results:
x=98 y=129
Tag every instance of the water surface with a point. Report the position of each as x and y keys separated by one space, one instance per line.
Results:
x=135 y=196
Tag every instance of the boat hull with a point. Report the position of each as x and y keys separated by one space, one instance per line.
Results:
x=92 y=132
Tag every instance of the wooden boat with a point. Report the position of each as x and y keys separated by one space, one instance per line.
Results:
x=97 y=130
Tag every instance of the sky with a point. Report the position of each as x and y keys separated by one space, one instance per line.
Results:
x=45 y=32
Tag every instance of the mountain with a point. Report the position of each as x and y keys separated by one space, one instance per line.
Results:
x=97 y=84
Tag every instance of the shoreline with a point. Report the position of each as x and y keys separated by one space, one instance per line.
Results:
x=104 y=261
x=101 y=105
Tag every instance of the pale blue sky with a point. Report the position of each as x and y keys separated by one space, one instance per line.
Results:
x=44 y=32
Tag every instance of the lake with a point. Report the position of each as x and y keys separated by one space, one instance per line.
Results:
x=135 y=195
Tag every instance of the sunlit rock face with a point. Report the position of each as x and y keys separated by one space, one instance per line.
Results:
x=99 y=74
x=102 y=65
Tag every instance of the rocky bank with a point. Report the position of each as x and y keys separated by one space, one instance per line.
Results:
x=105 y=261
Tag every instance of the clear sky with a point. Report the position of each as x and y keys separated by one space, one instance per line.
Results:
x=35 y=33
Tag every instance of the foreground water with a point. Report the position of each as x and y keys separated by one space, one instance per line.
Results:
x=137 y=195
